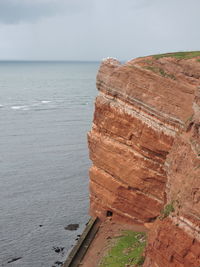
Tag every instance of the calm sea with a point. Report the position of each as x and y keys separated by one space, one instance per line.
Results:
x=46 y=110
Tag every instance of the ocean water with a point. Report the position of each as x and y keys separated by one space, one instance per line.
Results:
x=46 y=109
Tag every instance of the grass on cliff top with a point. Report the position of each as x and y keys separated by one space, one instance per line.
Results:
x=127 y=250
x=179 y=55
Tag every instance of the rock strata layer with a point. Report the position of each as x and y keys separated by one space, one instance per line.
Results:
x=174 y=239
x=141 y=107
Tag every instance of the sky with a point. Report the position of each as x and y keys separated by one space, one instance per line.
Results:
x=96 y=29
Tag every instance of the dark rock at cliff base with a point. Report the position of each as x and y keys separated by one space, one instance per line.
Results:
x=58 y=249
x=14 y=259
x=57 y=263
x=72 y=227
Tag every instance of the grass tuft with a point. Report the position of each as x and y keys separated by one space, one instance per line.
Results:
x=128 y=250
x=179 y=55
x=169 y=208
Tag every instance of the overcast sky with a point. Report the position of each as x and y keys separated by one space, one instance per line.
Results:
x=95 y=29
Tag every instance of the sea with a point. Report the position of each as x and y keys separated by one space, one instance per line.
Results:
x=46 y=110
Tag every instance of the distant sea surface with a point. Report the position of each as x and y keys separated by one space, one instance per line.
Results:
x=46 y=109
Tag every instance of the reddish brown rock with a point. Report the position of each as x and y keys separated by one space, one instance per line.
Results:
x=170 y=245
x=145 y=149
x=179 y=235
x=139 y=110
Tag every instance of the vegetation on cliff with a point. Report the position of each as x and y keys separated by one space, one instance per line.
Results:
x=179 y=55
x=127 y=250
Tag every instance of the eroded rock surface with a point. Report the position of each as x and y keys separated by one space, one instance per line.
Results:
x=139 y=110
x=175 y=239
x=145 y=149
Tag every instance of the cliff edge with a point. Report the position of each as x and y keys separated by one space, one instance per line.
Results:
x=145 y=149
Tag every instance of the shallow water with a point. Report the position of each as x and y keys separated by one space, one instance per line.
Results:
x=45 y=112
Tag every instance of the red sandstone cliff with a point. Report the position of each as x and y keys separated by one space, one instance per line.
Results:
x=144 y=111
x=174 y=239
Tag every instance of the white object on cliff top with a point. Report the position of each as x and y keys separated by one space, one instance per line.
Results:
x=107 y=58
x=111 y=60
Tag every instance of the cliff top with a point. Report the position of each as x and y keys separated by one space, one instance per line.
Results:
x=156 y=81
x=179 y=55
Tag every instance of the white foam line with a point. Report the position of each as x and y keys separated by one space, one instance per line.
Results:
x=20 y=108
x=45 y=101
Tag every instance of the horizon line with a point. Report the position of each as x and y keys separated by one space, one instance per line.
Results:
x=47 y=60
x=56 y=60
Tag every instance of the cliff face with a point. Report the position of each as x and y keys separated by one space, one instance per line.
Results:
x=174 y=239
x=141 y=107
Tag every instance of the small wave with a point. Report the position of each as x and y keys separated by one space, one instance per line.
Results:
x=35 y=105
x=20 y=107
x=26 y=108
x=1 y=106
x=45 y=101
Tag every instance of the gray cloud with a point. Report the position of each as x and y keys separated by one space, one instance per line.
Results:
x=94 y=29
x=15 y=11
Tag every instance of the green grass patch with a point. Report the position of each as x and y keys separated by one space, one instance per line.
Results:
x=128 y=249
x=169 y=208
x=179 y=55
x=160 y=71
